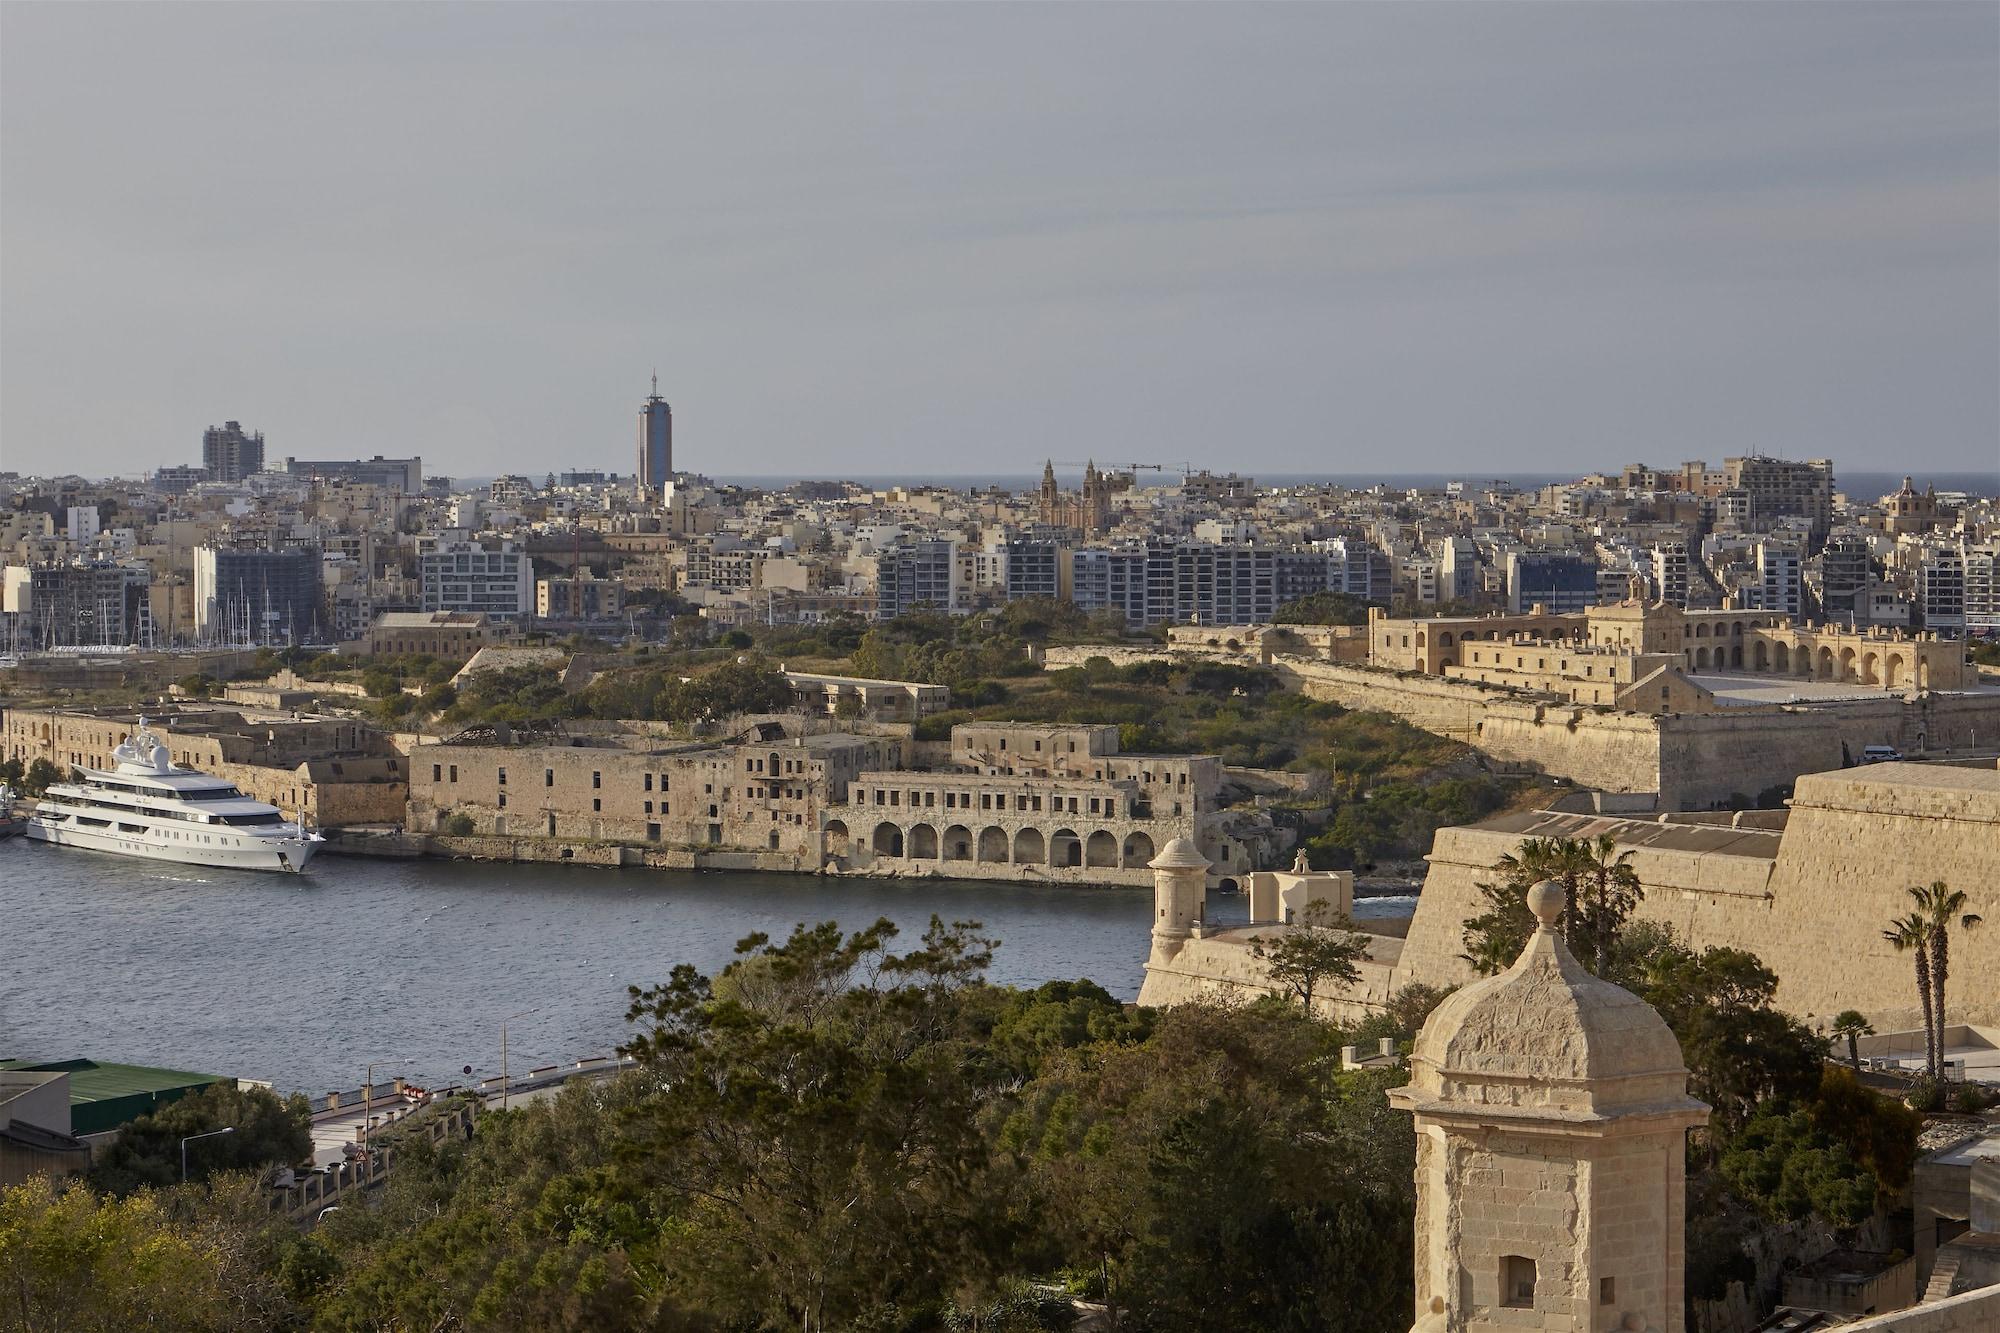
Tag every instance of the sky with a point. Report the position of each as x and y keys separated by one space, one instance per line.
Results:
x=931 y=239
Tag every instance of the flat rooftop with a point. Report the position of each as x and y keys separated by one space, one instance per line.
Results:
x=92 y=1081
x=1747 y=691
x=1667 y=837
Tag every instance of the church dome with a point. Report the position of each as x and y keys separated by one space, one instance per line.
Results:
x=1546 y=1039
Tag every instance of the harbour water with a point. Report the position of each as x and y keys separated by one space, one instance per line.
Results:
x=302 y=980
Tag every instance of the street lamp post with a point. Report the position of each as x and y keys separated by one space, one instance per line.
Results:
x=368 y=1104
x=226 y=1129
x=503 y=1050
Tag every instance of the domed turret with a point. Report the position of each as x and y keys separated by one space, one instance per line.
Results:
x=1551 y=1111
x=1180 y=885
x=1547 y=1034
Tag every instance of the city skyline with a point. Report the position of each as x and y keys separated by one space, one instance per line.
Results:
x=865 y=240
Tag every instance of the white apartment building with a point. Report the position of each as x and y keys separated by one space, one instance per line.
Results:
x=1941 y=589
x=1982 y=588
x=1670 y=572
x=466 y=576
x=1781 y=577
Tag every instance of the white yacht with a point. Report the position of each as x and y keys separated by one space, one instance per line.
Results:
x=148 y=807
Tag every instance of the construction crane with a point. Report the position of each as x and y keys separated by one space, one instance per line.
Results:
x=1185 y=468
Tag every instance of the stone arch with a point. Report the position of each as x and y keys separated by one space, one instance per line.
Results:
x=923 y=842
x=1826 y=667
x=957 y=843
x=836 y=837
x=1226 y=885
x=1847 y=664
x=1781 y=657
x=1701 y=630
x=1444 y=639
x=1871 y=669
x=1701 y=659
x=1735 y=655
x=1065 y=848
x=1029 y=849
x=1892 y=672
x=1760 y=656
x=1736 y=629
x=1101 y=849
x=887 y=840
x=993 y=844
x=1138 y=849
x=1923 y=673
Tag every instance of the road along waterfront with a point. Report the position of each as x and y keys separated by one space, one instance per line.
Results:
x=304 y=979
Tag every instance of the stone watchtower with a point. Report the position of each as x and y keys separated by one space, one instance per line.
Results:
x=1180 y=886
x=1552 y=1112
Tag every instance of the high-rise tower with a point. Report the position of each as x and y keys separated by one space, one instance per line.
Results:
x=656 y=442
x=229 y=453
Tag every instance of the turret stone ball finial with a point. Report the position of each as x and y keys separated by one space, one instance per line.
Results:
x=1545 y=900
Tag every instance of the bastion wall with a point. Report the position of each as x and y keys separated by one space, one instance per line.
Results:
x=1811 y=902
x=1692 y=760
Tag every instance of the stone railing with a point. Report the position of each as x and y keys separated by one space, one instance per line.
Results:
x=322 y=1189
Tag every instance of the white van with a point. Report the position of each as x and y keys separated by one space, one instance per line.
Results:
x=1879 y=754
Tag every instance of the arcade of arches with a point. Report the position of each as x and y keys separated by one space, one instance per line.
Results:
x=1755 y=642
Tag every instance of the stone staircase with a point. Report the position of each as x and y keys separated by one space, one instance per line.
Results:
x=1942 y=1276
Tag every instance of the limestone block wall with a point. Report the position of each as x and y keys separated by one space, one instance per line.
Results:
x=1223 y=968
x=1707 y=758
x=1614 y=751
x=1712 y=899
x=1811 y=902
x=1694 y=760
x=1856 y=840
x=1449 y=707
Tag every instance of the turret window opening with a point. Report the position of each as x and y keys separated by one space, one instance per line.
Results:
x=1517 y=1282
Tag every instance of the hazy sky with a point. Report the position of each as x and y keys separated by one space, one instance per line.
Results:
x=961 y=238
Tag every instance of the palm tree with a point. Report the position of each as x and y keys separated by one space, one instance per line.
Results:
x=1609 y=890
x=1537 y=859
x=1913 y=934
x=1850 y=1024
x=1939 y=905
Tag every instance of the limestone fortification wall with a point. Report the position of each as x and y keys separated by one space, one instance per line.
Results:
x=1856 y=841
x=1693 y=760
x=1596 y=747
x=1813 y=908
x=1705 y=758
x=1225 y=969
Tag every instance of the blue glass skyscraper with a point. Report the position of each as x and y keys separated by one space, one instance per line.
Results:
x=656 y=442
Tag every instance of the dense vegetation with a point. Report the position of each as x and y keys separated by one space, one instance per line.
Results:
x=833 y=1135
x=828 y=1135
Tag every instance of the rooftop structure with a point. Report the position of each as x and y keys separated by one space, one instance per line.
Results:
x=104 y=1096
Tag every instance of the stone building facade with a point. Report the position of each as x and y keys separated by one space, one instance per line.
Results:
x=1023 y=801
x=766 y=796
x=450 y=636
x=329 y=772
x=1760 y=643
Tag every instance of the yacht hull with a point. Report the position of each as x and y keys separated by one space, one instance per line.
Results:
x=279 y=854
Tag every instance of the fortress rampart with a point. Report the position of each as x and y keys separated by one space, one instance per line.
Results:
x=1810 y=901
x=1692 y=760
